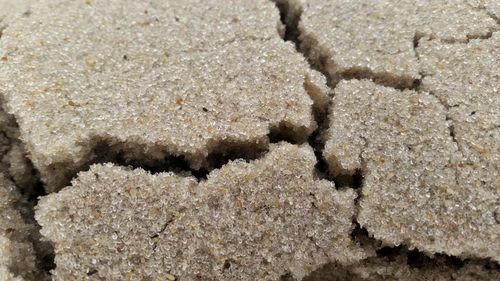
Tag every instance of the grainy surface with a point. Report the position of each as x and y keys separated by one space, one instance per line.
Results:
x=398 y=268
x=376 y=38
x=136 y=82
x=13 y=161
x=465 y=78
x=159 y=77
x=415 y=190
x=17 y=257
x=247 y=221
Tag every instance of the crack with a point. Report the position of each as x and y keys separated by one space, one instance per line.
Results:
x=162 y=229
x=319 y=59
x=418 y=87
x=290 y=16
x=159 y=159
x=482 y=7
x=493 y=17
x=21 y=172
x=106 y=150
x=2 y=26
x=396 y=257
x=451 y=128
x=415 y=265
x=469 y=38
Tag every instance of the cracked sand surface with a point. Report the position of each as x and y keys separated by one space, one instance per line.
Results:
x=375 y=39
x=13 y=161
x=155 y=78
x=413 y=191
x=142 y=75
x=247 y=221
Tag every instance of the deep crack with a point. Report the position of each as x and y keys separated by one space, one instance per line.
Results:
x=290 y=18
x=133 y=155
x=30 y=188
x=104 y=151
x=319 y=60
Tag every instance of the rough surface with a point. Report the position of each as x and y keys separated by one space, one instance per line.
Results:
x=157 y=77
x=375 y=39
x=17 y=257
x=493 y=8
x=13 y=161
x=12 y=7
x=135 y=82
x=397 y=268
x=465 y=78
x=414 y=189
x=247 y=221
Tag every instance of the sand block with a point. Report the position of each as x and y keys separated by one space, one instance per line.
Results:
x=17 y=256
x=414 y=191
x=375 y=39
x=464 y=77
x=154 y=78
x=254 y=220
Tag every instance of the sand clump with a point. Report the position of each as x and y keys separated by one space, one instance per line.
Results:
x=247 y=221
x=157 y=78
x=413 y=192
x=375 y=39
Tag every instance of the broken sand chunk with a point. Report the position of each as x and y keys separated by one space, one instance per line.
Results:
x=17 y=257
x=465 y=77
x=412 y=191
x=247 y=221
x=155 y=78
x=375 y=39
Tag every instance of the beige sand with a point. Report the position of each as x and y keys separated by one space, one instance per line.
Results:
x=248 y=221
x=141 y=75
x=415 y=192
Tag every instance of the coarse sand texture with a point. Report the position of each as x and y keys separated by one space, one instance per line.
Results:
x=413 y=192
x=269 y=140
x=13 y=161
x=247 y=221
x=155 y=78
